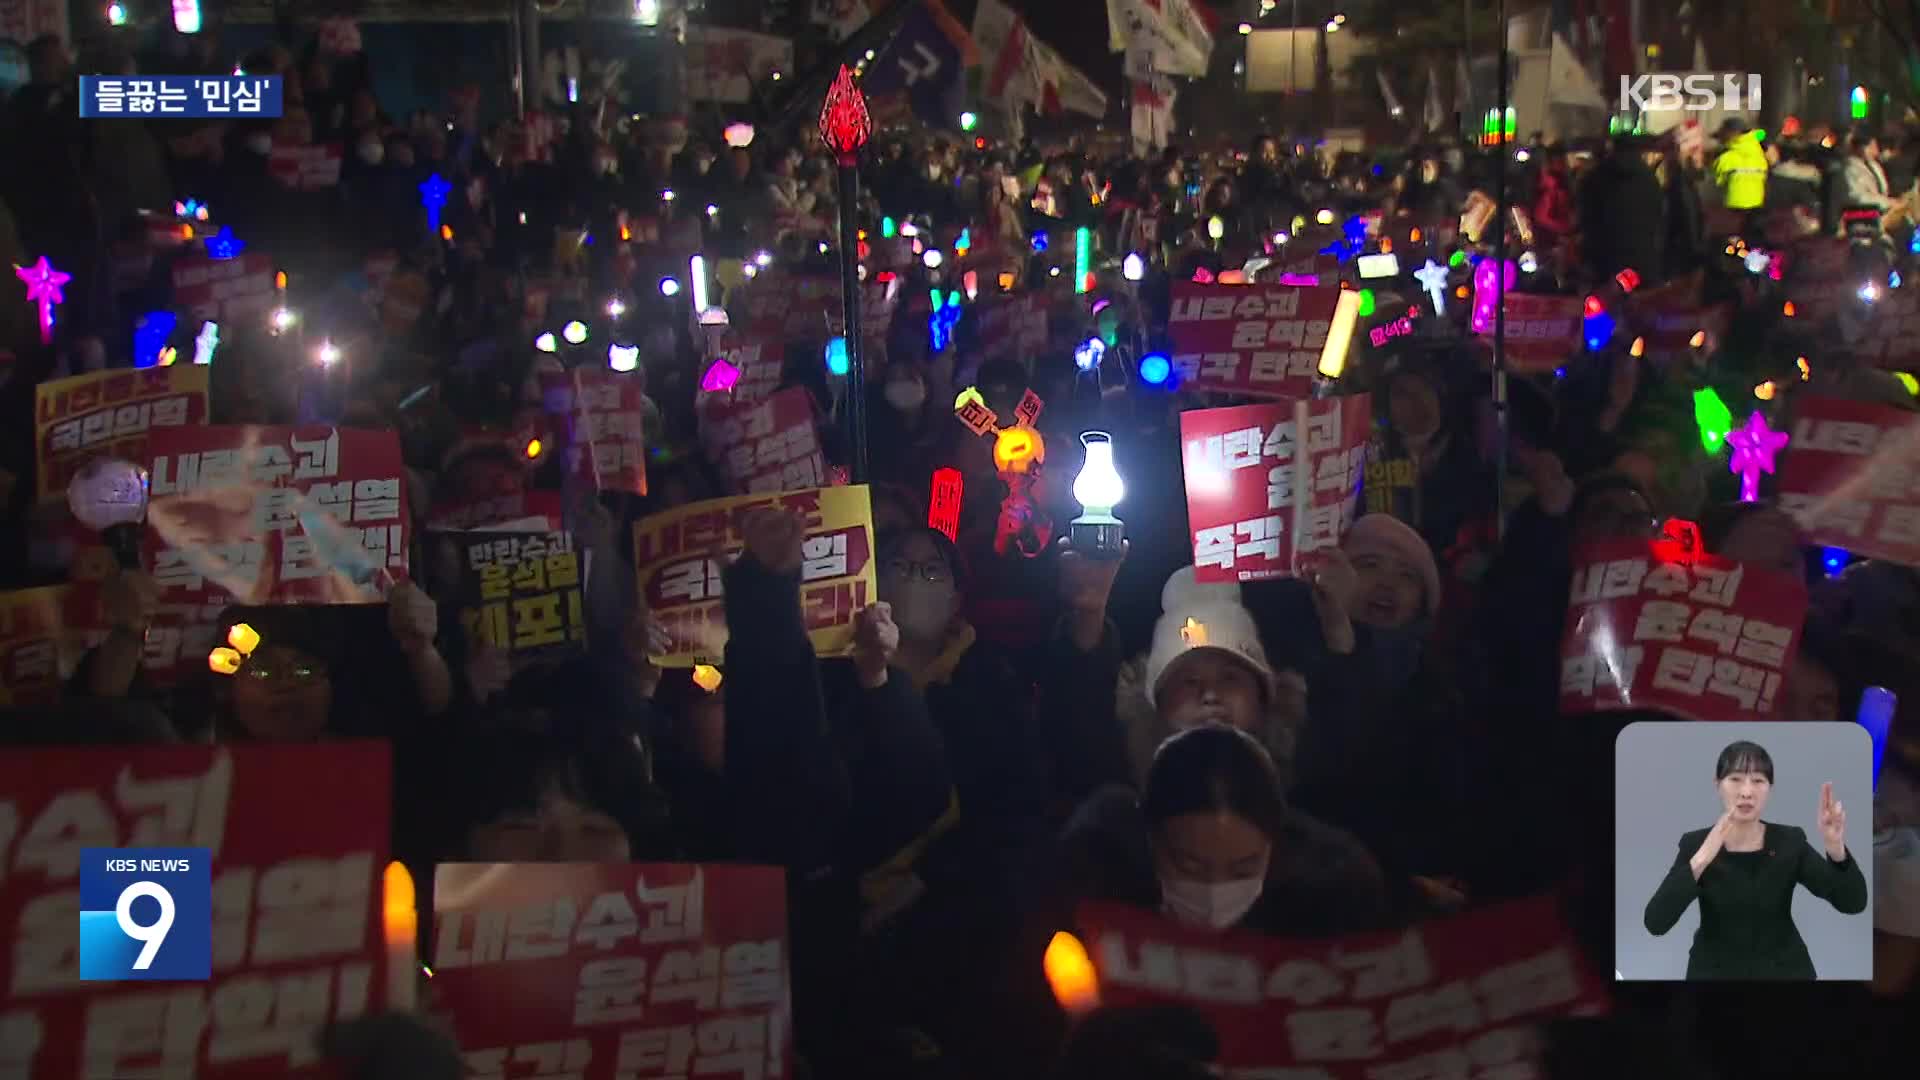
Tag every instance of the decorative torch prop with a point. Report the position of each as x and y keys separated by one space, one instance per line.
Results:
x=846 y=127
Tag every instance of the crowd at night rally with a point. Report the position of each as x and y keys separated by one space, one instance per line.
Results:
x=918 y=562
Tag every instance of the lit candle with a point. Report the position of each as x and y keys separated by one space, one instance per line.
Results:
x=1070 y=974
x=401 y=920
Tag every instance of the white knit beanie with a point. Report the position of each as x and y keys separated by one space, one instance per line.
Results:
x=1194 y=616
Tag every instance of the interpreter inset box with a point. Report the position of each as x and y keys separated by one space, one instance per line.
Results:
x=1743 y=851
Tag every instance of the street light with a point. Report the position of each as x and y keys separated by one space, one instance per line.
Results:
x=968 y=121
x=1245 y=29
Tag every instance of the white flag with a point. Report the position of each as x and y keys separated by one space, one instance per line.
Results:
x=1152 y=114
x=1435 y=115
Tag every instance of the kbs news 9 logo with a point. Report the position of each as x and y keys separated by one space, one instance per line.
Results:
x=146 y=913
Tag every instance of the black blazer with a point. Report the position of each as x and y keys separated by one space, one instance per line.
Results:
x=1746 y=904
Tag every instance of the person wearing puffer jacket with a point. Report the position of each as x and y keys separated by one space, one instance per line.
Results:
x=1383 y=751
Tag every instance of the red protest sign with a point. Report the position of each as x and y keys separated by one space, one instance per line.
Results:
x=1669 y=331
x=297 y=936
x=758 y=358
x=809 y=307
x=1014 y=325
x=1852 y=477
x=305 y=168
x=604 y=970
x=224 y=289
x=267 y=515
x=1542 y=331
x=599 y=417
x=1249 y=339
x=1247 y=516
x=766 y=446
x=1456 y=996
x=1649 y=627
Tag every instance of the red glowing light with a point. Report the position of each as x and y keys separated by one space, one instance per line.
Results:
x=844 y=121
x=1595 y=307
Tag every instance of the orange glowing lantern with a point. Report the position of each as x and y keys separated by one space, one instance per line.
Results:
x=1018 y=450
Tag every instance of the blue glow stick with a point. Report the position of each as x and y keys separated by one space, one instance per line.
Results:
x=1877 y=705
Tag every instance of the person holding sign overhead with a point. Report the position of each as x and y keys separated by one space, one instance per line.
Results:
x=1743 y=872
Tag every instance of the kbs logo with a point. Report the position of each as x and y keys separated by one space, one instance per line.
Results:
x=1694 y=93
x=146 y=913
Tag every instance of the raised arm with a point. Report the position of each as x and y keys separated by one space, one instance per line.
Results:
x=1829 y=871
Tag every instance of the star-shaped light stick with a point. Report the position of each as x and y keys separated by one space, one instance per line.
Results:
x=1433 y=278
x=1754 y=447
x=43 y=288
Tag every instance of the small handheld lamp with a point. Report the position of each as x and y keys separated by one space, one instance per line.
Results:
x=1097 y=533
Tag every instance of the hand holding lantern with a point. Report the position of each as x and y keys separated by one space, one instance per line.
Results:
x=1097 y=533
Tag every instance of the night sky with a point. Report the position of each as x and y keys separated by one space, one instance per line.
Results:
x=1077 y=30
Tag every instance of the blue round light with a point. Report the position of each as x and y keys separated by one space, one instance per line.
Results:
x=1834 y=559
x=837 y=356
x=1155 y=368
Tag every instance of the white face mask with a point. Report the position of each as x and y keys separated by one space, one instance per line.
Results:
x=1215 y=906
x=906 y=394
x=373 y=153
x=260 y=144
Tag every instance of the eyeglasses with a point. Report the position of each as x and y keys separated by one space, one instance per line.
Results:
x=299 y=674
x=933 y=573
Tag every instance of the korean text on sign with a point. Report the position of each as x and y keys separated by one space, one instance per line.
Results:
x=522 y=592
x=1453 y=997
x=605 y=970
x=679 y=556
x=1541 y=331
x=180 y=96
x=268 y=515
x=1697 y=636
x=297 y=939
x=758 y=358
x=1251 y=509
x=43 y=634
x=1263 y=339
x=1014 y=326
x=1852 y=477
x=767 y=446
x=600 y=421
x=109 y=414
x=224 y=289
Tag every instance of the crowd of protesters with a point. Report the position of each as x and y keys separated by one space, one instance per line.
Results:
x=1368 y=746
